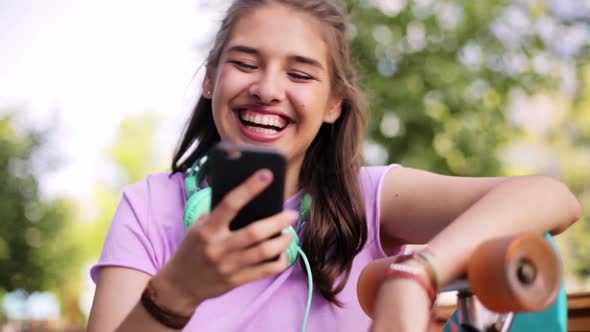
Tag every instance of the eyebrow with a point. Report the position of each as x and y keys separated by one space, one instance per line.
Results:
x=296 y=58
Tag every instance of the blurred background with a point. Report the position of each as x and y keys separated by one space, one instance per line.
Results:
x=94 y=95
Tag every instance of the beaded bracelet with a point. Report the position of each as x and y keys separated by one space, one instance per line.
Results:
x=158 y=312
x=426 y=258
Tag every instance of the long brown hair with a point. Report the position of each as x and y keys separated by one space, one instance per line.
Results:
x=329 y=173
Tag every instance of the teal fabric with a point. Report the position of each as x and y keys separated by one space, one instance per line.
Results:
x=552 y=319
x=452 y=324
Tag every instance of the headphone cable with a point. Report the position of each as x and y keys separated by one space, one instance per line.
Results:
x=310 y=288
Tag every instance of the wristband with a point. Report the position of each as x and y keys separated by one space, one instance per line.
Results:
x=158 y=312
x=397 y=270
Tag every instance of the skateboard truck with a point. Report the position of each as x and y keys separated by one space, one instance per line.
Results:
x=473 y=316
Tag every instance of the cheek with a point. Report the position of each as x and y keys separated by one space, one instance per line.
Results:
x=301 y=106
x=307 y=100
x=223 y=84
x=228 y=83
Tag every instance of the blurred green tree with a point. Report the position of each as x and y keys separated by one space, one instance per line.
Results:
x=133 y=157
x=34 y=255
x=445 y=80
x=79 y=243
x=440 y=76
x=571 y=141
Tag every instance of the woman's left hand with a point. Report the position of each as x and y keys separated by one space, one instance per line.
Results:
x=402 y=305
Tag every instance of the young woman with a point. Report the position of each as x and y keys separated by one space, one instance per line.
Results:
x=279 y=76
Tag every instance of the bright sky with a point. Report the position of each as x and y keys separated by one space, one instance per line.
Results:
x=82 y=66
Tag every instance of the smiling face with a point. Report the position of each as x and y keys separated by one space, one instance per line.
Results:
x=272 y=85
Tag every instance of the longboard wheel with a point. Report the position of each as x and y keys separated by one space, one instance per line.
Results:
x=369 y=282
x=515 y=273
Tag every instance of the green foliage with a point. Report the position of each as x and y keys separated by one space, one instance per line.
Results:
x=32 y=255
x=575 y=160
x=133 y=149
x=435 y=106
x=133 y=155
x=441 y=76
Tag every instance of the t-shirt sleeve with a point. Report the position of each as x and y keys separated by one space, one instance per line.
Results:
x=371 y=180
x=127 y=243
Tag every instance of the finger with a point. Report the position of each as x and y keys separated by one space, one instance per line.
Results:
x=229 y=249
x=238 y=197
x=260 y=271
x=261 y=253
x=261 y=230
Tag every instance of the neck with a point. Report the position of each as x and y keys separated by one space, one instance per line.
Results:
x=292 y=180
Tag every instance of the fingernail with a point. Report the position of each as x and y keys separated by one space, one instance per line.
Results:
x=264 y=175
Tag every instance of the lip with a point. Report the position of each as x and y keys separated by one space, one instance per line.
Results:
x=256 y=136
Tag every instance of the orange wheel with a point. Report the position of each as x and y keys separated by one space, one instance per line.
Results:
x=369 y=282
x=516 y=273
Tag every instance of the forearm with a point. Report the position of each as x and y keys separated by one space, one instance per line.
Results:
x=517 y=205
x=164 y=297
x=140 y=320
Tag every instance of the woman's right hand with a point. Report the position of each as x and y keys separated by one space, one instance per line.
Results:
x=212 y=259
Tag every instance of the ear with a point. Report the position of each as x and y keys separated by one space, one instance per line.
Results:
x=334 y=110
x=207 y=88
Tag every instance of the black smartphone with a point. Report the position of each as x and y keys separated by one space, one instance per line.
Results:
x=231 y=164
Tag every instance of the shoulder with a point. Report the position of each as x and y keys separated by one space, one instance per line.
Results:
x=147 y=225
x=371 y=180
x=157 y=185
x=159 y=196
x=371 y=177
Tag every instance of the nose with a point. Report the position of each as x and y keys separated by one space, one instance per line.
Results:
x=268 y=88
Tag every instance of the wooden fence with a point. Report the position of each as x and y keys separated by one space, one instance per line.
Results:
x=578 y=313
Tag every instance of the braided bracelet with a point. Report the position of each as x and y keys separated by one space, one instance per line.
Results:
x=158 y=312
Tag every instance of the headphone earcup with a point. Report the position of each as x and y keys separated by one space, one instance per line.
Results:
x=292 y=251
x=197 y=204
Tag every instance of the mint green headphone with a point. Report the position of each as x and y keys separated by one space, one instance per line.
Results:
x=199 y=202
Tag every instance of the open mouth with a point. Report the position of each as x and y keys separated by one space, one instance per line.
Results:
x=262 y=123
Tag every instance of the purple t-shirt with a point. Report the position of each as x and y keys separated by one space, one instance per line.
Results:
x=148 y=227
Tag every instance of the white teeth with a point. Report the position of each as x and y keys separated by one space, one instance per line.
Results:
x=263 y=119
x=259 y=119
x=262 y=130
